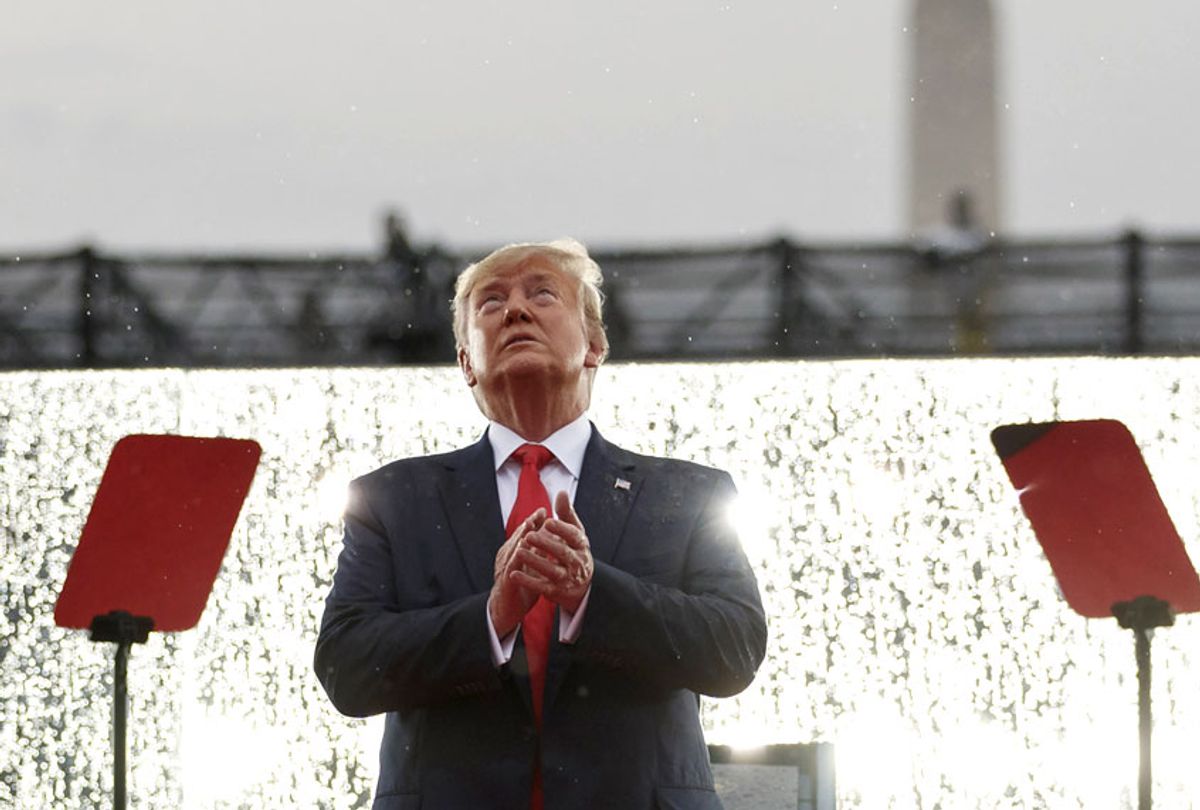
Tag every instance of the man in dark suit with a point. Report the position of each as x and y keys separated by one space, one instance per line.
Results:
x=538 y=613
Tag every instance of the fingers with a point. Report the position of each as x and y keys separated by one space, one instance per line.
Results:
x=507 y=551
x=545 y=555
x=573 y=536
x=531 y=523
x=565 y=511
x=534 y=584
x=552 y=559
x=529 y=559
x=555 y=585
x=553 y=546
x=545 y=565
x=548 y=556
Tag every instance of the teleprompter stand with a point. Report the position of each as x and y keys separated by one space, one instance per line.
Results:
x=1106 y=533
x=151 y=549
x=125 y=630
x=1142 y=615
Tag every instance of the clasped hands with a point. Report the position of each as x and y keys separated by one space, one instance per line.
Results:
x=546 y=556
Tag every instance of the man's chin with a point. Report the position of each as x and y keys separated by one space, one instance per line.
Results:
x=524 y=365
x=531 y=368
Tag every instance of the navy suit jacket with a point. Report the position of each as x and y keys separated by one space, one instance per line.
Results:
x=674 y=612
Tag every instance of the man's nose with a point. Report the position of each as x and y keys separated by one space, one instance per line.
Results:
x=517 y=309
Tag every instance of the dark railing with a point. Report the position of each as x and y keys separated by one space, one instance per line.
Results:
x=1133 y=294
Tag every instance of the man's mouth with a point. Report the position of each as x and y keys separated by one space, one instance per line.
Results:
x=516 y=339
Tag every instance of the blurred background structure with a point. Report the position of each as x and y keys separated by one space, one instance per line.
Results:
x=1126 y=294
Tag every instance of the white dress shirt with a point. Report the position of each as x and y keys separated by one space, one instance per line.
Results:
x=568 y=444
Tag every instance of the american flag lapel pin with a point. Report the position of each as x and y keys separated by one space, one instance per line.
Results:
x=621 y=483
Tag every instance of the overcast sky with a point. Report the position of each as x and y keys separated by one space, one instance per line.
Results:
x=234 y=124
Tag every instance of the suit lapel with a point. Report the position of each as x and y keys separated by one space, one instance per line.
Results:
x=473 y=509
x=608 y=487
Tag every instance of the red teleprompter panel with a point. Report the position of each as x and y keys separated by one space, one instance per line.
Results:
x=158 y=529
x=1097 y=514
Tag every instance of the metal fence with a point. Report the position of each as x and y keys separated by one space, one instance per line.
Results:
x=1130 y=294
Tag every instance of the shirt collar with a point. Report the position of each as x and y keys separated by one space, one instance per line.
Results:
x=568 y=443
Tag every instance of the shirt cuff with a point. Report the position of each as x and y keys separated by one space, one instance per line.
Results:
x=502 y=648
x=571 y=624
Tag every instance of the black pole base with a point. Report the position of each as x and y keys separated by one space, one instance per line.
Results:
x=1144 y=613
x=121 y=627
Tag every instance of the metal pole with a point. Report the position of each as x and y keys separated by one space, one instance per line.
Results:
x=120 y=708
x=1142 y=615
x=88 y=316
x=785 y=324
x=1134 y=283
x=1142 y=639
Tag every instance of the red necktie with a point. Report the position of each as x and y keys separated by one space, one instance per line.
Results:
x=538 y=622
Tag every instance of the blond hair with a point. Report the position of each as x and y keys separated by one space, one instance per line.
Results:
x=568 y=255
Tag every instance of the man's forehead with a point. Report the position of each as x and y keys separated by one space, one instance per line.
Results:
x=529 y=268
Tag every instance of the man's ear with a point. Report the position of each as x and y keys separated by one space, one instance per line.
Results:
x=464 y=363
x=595 y=351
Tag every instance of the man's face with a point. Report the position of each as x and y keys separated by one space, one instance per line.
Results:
x=524 y=322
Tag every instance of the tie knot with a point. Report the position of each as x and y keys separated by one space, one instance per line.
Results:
x=533 y=455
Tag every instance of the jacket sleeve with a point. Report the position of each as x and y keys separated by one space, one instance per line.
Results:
x=384 y=645
x=708 y=634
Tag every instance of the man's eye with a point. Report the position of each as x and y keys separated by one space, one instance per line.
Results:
x=545 y=292
x=490 y=302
